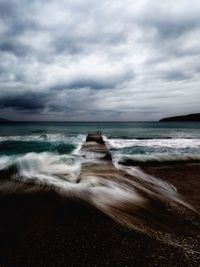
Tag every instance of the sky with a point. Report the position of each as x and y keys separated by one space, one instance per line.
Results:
x=91 y=60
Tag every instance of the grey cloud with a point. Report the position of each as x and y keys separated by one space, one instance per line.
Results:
x=95 y=82
x=176 y=76
x=167 y=28
x=28 y=102
x=98 y=59
x=15 y=49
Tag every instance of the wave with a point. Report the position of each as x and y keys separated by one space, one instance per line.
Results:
x=11 y=145
x=175 y=143
x=154 y=151
x=52 y=168
x=45 y=137
x=42 y=167
x=63 y=171
x=125 y=137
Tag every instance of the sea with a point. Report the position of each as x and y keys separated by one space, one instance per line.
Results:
x=139 y=141
x=49 y=151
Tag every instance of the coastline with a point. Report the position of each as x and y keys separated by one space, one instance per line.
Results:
x=42 y=228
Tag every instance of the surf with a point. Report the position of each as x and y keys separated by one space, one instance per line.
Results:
x=129 y=196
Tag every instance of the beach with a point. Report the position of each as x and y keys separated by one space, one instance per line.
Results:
x=185 y=177
x=44 y=229
x=65 y=202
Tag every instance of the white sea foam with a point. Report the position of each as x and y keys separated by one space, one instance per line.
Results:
x=62 y=138
x=6 y=161
x=51 y=168
x=63 y=171
x=49 y=138
x=175 y=143
x=43 y=167
x=160 y=150
x=159 y=187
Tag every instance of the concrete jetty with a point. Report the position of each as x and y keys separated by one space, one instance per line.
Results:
x=97 y=158
x=95 y=148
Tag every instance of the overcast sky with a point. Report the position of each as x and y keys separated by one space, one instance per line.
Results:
x=99 y=60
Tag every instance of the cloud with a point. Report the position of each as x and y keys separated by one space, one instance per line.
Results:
x=99 y=60
x=25 y=102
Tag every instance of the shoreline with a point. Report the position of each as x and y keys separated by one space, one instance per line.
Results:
x=41 y=228
x=185 y=177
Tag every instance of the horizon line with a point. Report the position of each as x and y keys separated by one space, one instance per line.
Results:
x=8 y=121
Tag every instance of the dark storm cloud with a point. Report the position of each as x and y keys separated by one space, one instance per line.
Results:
x=27 y=102
x=84 y=83
x=98 y=85
x=10 y=47
x=95 y=82
x=99 y=59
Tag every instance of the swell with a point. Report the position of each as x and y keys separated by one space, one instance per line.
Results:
x=44 y=137
x=12 y=145
x=134 y=152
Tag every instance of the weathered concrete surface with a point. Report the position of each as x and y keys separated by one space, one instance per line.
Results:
x=96 y=137
x=95 y=148
x=98 y=160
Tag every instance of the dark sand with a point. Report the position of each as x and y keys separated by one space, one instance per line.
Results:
x=44 y=229
x=185 y=177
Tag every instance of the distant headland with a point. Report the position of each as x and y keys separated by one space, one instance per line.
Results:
x=189 y=117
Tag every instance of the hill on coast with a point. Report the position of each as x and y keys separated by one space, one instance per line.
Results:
x=189 y=117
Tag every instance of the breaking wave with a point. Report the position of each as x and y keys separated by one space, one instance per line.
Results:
x=62 y=138
x=175 y=143
x=42 y=167
x=17 y=145
x=150 y=151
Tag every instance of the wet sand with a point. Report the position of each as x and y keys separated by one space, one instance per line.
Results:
x=185 y=177
x=38 y=227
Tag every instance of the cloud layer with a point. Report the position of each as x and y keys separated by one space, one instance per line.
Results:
x=99 y=60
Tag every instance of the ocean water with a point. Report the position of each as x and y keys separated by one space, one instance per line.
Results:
x=36 y=147
x=142 y=140
x=51 y=150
